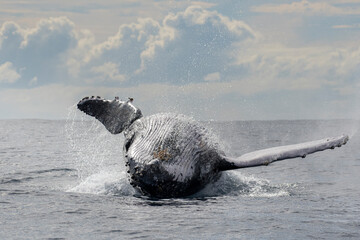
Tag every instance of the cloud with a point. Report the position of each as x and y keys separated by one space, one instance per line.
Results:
x=8 y=74
x=123 y=50
x=183 y=48
x=108 y=72
x=212 y=77
x=278 y=67
x=307 y=7
x=172 y=64
x=39 y=51
x=346 y=26
x=33 y=81
x=192 y=44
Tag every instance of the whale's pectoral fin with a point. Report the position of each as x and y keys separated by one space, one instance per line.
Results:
x=115 y=115
x=267 y=156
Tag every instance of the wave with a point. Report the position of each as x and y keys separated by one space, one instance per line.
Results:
x=53 y=170
x=15 y=180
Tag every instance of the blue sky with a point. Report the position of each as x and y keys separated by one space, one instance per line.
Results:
x=222 y=60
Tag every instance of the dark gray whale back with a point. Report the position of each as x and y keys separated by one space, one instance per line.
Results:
x=170 y=155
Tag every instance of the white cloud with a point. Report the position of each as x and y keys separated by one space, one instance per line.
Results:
x=307 y=7
x=189 y=46
x=33 y=81
x=8 y=73
x=174 y=63
x=108 y=72
x=193 y=43
x=38 y=51
x=346 y=26
x=212 y=77
x=123 y=51
x=343 y=1
x=278 y=67
x=100 y=17
x=184 y=47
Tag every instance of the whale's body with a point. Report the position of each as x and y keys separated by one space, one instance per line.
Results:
x=171 y=155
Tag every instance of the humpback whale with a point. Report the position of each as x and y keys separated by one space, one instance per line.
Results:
x=172 y=155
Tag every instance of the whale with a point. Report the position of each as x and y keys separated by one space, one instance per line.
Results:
x=171 y=155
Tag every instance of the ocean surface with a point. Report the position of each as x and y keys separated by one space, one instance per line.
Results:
x=67 y=180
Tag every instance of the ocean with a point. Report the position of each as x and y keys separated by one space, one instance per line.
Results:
x=66 y=180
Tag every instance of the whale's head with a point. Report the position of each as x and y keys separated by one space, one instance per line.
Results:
x=116 y=115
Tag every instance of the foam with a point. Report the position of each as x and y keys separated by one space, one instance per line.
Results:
x=238 y=184
x=105 y=182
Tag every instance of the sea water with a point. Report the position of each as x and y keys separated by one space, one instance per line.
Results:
x=67 y=180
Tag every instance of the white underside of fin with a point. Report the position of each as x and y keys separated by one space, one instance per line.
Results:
x=267 y=156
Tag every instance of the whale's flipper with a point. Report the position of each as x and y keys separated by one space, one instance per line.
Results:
x=267 y=156
x=116 y=115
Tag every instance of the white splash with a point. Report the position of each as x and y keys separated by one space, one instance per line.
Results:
x=97 y=156
x=106 y=182
x=235 y=183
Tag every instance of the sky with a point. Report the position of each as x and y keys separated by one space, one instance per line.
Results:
x=220 y=60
